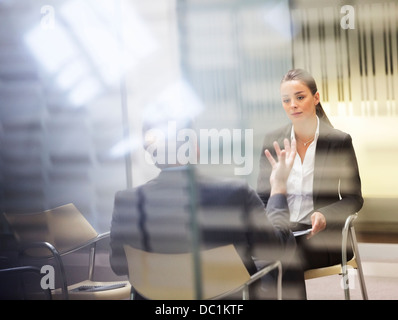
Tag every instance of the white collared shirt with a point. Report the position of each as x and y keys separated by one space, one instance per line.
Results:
x=300 y=183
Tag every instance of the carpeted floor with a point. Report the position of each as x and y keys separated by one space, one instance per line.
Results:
x=380 y=264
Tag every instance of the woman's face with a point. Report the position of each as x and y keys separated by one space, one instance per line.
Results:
x=298 y=101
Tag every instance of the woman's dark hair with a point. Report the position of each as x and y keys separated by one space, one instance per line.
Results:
x=309 y=81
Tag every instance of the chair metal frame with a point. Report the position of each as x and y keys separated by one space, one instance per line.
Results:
x=348 y=232
x=25 y=269
x=276 y=265
x=56 y=254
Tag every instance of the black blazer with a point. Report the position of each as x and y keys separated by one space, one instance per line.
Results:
x=335 y=174
x=156 y=217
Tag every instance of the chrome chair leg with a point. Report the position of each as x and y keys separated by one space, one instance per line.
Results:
x=359 y=264
x=349 y=230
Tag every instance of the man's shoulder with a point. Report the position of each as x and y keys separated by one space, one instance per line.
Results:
x=126 y=195
x=227 y=190
x=127 y=191
x=222 y=182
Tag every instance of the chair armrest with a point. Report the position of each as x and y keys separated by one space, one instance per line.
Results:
x=265 y=270
x=23 y=269
x=91 y=242
x=345 y=232
x=103 y=235
x=348 y=222
x=346 y=229
x=56 y=255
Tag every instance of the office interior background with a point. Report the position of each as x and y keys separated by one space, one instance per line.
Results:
x=78 y=77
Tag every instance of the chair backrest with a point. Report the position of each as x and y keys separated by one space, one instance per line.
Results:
x=158 y=276
x=64 y=227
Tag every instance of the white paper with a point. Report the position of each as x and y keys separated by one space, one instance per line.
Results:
x=301 y=232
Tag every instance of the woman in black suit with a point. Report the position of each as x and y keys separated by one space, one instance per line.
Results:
x=324 y=186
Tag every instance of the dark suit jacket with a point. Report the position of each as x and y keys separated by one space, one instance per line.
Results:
x=335 y=174
x=156 y=217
